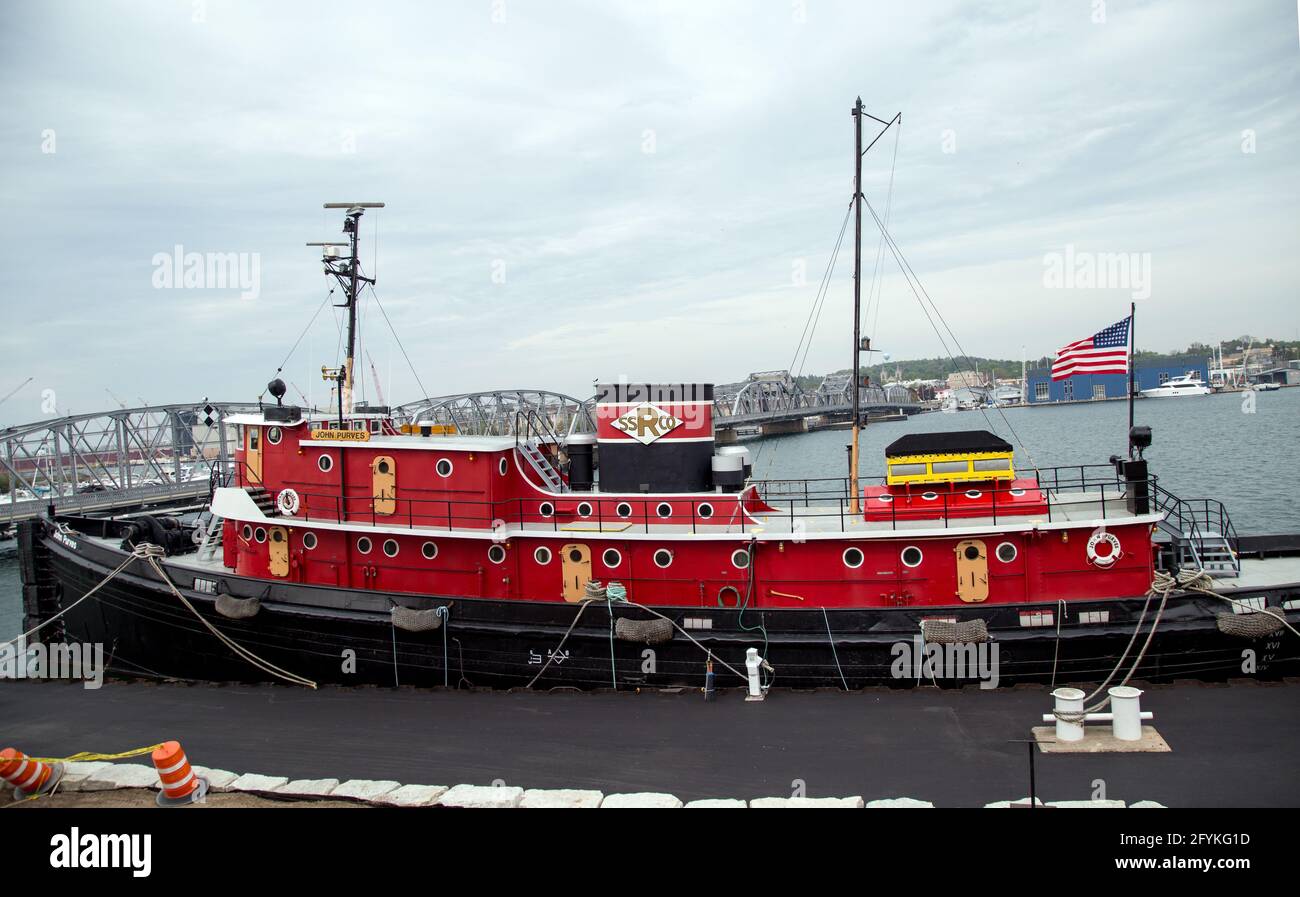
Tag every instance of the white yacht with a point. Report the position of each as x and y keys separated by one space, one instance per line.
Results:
x=1186 y=385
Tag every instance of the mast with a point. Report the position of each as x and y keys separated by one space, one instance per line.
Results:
x=857 y=300
x=347 y=271
x=1132 y=342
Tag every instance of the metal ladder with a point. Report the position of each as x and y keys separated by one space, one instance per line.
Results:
x=542 y=465
x=210 y=538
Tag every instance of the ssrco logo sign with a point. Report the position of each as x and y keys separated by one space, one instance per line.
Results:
x=89 y=851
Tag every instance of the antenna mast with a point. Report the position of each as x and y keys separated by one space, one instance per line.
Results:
x=347 y=271
x=860 y=344
x=857 y=301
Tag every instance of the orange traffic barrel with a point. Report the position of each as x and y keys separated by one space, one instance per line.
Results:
x=29 y=777
x=179 y=783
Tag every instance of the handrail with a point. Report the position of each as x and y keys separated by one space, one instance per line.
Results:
x=711 y=512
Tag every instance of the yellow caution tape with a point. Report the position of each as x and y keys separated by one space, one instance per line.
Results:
x=88 y=756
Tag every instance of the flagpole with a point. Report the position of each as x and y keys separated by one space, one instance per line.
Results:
x=1132 y=342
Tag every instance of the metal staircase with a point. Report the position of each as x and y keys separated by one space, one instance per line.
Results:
x=542 y=466
x=1201 y=534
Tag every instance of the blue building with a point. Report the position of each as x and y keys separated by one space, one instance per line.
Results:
x=1151 y=372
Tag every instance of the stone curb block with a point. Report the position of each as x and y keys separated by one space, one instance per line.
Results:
x=308 y=787
x=767 y=803
x=1086 y=804
x=560 y=798
x=218 y=779
x=717 y=803
x=412 y=796
x=251 y=781
x=496 y=797
x=899 y=803
x=641 y=800
x=1006 y=804
x=121 y=775
x=76 y=772
x=1146 y=805
x=365 y=789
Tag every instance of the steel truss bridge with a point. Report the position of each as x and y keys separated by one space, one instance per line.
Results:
x=139 y=457
x=775 y=398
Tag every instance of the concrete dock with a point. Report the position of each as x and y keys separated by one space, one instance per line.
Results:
x=951 y=747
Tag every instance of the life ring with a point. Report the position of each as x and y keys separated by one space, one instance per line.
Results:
x=1110 y=556
x=287 y=502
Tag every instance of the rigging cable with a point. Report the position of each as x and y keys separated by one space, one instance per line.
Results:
x=918 y=290
x=298 y=341
x=424 y=392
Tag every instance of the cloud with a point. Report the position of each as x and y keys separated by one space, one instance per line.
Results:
x=647 y=179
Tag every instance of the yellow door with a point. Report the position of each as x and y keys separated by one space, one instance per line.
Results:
x=577 y=571
x=383 y=484
x=253 y=455
x=972 y=571
x=277 y=541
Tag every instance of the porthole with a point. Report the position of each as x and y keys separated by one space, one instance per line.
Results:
x=429 y=550
x=611 y=558
x=663 y=509
x=623 y=509
x=853 y=558
x=663 y=558
x=911 y=556
x=546 y=509
x=1017 y=492
x=274 y=435
x=383 y=466
x=390 y=547
x=1006 y=552
x=497 y=554
x=542 y=555
x=309 y=541
x=502 y=467
x=584 y=509
x=929 y=496
x=248 y=532
x=575 y=555
x=705 y=510
x=443 y=467
x=885 y=498
x=259 y=534
x=363 y=545
x=325 y=463
x=277 y=536
x=973 y=494
x=972 y=553
x=740 y=559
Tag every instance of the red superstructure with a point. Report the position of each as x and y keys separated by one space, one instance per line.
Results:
x=370 y=507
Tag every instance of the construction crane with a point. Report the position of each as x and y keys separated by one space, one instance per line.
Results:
x=14 y=391
x=379 y=392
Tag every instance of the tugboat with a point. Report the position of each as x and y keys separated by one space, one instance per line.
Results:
x=351 y=547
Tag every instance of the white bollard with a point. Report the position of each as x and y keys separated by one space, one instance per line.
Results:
x=752 y=664
x=1069 y=700
x=1126 y=710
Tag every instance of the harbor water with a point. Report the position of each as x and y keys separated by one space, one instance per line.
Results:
x=1240 y=448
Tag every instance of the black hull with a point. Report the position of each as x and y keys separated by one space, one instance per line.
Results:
x=346 y=637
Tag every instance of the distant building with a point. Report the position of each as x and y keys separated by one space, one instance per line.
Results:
x=969 y=379
x=1150 y=373
x=1287 y=376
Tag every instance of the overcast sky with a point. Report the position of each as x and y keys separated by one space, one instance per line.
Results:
x=584 y=191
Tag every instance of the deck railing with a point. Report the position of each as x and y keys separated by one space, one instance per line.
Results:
x=824 y=500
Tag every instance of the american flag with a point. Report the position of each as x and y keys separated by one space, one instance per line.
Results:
x=1105 y=352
